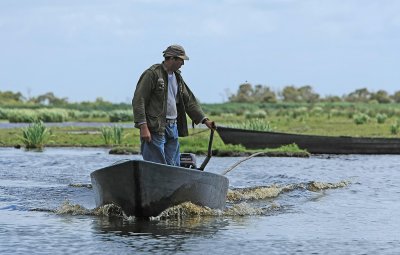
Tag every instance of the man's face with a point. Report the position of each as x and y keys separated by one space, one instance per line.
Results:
x=177 y=63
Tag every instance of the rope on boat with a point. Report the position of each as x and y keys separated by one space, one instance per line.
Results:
x=241 y=161
x=202 y=131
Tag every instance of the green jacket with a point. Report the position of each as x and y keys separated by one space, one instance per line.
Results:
x=150 y=101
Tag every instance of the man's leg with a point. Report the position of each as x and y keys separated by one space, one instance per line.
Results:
x=154 y=150
x=171 y=147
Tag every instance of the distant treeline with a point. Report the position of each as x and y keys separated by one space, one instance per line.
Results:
x=9 y=99
x=247 y=102
x=248 y=93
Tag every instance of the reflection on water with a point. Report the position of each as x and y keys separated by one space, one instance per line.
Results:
x=324 y=205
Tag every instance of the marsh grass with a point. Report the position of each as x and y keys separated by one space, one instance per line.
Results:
x=112 y=135
x=117 y=134
x=381 y=118
x=361 y=118
x=106 y=134
x=255 y=124
x=395 y=128
x=35 y=135
x=120 y=116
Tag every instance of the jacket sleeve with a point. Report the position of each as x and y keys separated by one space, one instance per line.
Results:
x=192 y=106
x=141 y=96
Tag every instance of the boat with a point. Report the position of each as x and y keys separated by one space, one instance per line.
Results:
x=144 y=189
x=315 y=144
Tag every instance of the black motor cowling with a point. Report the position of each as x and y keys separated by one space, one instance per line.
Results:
x=188 y=160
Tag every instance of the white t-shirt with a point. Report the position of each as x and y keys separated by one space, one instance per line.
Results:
x=172 y=112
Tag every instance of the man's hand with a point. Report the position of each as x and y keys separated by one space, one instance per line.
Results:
x=210 y=124
x=145 y=132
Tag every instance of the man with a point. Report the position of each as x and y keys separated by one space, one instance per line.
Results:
x=160 y=104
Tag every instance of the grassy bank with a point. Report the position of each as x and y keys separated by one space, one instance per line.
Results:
x=196 y=142
x=357 y=120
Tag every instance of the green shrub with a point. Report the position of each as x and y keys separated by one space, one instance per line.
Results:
x=381 y=118
x=256 y=114
x=21 y=116
x=395 y=128
x=301 y=111
x=35 y=135
x=360 y=118
x=317 y=111
x=121 y=116
x=52 y=115
x=3 y=114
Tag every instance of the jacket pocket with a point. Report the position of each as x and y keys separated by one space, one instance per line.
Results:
x=153 y=123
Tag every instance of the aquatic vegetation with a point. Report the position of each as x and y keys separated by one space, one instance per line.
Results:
x=381 y=118
x=186 y=209
x=395 y=128
x=71 y=209
x=106 y=134
x=258 y=114
x=117 y=134
x=35 y=135
x=254 y=193
x=361 y=118
x=254 y=124
x=120 y=116
x=112 y=135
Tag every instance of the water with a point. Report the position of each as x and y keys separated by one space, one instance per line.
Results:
x=320 y=205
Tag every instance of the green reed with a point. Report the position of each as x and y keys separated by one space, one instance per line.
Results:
x=381 y=118
x=255 y=124
x=395 y=128
x=35 y=135
x=117 y=134
x=106 y=134
x=112 y=135
x=361 y=118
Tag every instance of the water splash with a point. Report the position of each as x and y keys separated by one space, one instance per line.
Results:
x=237 y=199
x=318 y=186
x=273 y=191
x=67 y=208
x=254 y=193
x=81 y=185
x=71 y=209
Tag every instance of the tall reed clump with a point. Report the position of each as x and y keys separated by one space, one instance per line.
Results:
x=112 y=135
x=395 y=128
x=361 y=118
x=35 y=135
x=106 y=134
x=117 y=134
x=255 y=124
x=121 y=116
x=381 y=118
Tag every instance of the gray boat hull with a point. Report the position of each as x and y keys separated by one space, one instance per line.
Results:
x=145 y=189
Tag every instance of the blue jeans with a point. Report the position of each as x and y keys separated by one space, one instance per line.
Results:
x=163 y=149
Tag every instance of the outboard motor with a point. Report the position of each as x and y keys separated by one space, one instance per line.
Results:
x=188 y=160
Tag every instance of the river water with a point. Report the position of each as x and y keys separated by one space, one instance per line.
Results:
x=320 y=205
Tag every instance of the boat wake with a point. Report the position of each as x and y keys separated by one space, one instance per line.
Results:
x=259 y=200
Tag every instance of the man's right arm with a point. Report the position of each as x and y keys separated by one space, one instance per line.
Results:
x=145 y=132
